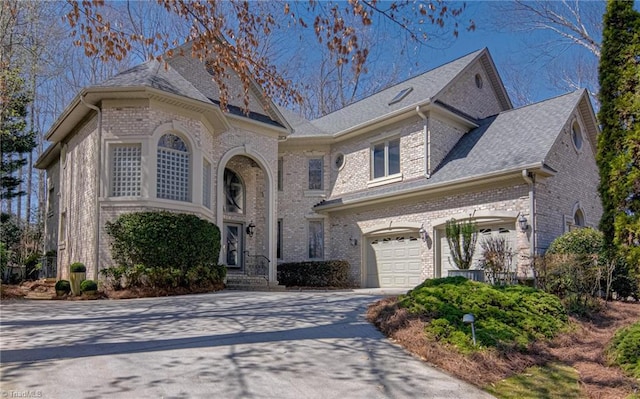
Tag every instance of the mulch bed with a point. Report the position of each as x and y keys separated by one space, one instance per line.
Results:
x=581 y=348
x=47 y=289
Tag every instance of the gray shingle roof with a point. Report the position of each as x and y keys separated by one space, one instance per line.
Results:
x=154 y=74
x=425 y=86
x=188 y=77
x=512 y=139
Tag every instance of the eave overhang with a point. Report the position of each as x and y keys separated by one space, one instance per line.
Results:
x=515 y=174
x=51 y=154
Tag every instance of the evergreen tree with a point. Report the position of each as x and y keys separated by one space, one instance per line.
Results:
x=16 y=140
x=619 y=143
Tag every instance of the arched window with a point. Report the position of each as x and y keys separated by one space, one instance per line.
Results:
x=578 y=218
x=233 y=192
x=173 y=177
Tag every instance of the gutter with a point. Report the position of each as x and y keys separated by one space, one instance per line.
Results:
x=529 y=177
x=427 y=139
x=97 y=179
x=436 y=187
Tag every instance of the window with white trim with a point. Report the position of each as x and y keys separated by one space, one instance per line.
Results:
x=126 y=170
x=576 y=135
x=316 y=166
x=385 y=158
x=206 y=183
x=174 y=160
x=316 y=239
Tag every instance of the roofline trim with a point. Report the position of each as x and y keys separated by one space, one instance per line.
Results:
x=515 y=172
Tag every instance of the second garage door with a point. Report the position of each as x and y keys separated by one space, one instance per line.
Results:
x=505 y=230
x=394 y=261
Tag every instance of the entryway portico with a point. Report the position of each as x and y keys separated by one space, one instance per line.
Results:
x=245 y=213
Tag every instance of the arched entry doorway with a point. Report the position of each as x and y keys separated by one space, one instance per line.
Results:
x=245 y=209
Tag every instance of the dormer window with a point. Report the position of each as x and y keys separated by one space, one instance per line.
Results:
x=401 y=95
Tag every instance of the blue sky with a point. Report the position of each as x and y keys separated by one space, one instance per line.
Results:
x=517 y=54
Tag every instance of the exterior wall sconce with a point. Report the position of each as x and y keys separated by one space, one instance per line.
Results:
x=522 y=223
x=423 y=233
x=353 y=241
x=470 y=319
x=250 y=229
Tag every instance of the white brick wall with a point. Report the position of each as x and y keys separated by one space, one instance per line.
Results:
x=576 y=181
x=464 y=95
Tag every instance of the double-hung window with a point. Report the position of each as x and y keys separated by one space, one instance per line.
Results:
x=385 y=158
x=316 y=166
x=316 y=239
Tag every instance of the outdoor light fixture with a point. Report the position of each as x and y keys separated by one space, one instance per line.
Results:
x=353 y=241
x=522 y=222
x=250 y=228
x=470 y=319
x=423 y=233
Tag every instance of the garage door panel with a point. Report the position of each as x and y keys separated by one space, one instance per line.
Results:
x=394 y=261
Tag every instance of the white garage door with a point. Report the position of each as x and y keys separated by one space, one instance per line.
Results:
x=394 y=261
x=501 y=230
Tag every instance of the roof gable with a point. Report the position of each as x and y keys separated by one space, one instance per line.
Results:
x=513 y=138
x=424 y=88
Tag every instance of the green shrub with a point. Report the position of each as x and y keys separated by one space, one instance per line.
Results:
x=88 y=285
x=624 y=349
x=506 y=316
x=332 y=273
x=586 y=241
x=77 y=267
x=164 y=240
x=63 y=285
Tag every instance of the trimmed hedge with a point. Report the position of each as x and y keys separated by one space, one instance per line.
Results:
x=77 y=267
x=164 y=240
x=63 y=285
x=330 y=273
x=88 y=285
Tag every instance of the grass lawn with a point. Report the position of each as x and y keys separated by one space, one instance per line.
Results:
x=552 y=381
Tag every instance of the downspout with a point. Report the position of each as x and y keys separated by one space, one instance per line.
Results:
x=97 y=179
x=427 y=139
x=529 y=177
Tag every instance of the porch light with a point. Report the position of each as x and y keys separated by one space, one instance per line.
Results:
x=522 y=223
x=250 y=229
x=353 y=241
x=423 y=233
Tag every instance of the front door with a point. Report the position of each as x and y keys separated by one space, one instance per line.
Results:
x=233 y=245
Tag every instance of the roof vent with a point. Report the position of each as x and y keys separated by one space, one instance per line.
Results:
x=402 y=94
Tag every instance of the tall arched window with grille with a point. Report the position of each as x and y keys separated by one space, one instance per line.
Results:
x=174 y=163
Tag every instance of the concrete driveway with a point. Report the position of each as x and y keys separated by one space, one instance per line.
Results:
x=221 y=345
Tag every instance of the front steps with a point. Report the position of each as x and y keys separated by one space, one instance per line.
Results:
x=240 y=282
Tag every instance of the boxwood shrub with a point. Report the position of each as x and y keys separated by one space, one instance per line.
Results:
x=164 y=240
x=77 y=267
x=88 y=285
x=163 y=250
x=331 y=273
x=63 y=285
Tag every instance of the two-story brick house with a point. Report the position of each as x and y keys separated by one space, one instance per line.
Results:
x=372 y=183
